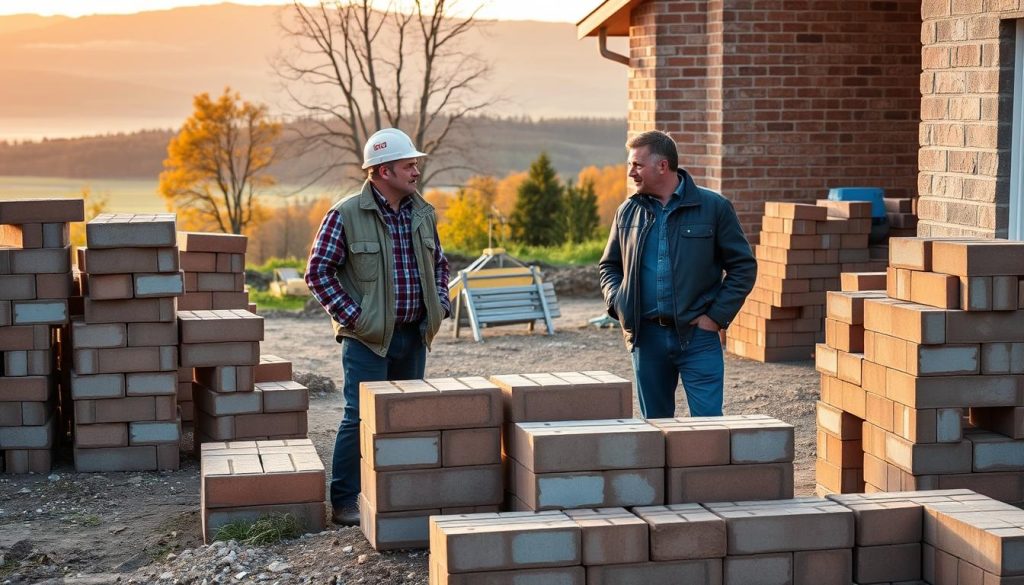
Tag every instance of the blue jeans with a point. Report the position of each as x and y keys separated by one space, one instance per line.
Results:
x=406 y=360
x=659 y=363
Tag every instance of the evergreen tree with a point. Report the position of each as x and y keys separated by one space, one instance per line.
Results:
x=537 y=217
x=581 y=215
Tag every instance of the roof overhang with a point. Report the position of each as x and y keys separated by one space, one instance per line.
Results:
x=612 y=15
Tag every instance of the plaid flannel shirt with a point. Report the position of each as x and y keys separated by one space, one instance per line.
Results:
x=328 y=255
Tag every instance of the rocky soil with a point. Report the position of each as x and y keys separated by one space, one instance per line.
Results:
x=69 y=527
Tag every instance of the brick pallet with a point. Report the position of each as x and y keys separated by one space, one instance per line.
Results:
x=35 y=285
x=932 y=401
x=907 y=538
x=231 y=402
x=124 y=380
x=245 y=480
x=428 y=447
x=214 y=267
x=802 y=251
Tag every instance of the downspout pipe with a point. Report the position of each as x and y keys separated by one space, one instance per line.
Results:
x=602 y=44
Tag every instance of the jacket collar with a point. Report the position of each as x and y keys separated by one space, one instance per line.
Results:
x=687 y=189
x=368 y=201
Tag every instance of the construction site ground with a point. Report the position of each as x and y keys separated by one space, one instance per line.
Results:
x=145 y=528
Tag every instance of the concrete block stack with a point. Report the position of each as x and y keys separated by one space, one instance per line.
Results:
x=727 y=458
x=428 y=447
x=223 y=348
x=214 y=266
x=245 y=480
x=942 y=345
x=35 y=284
x=802 y=251
x=557 y=397
x=586 y=464
x=124 y=381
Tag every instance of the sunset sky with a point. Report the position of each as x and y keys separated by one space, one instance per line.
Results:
x=560 y=11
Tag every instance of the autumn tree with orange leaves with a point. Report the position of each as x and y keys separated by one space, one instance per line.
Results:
x=218 y=162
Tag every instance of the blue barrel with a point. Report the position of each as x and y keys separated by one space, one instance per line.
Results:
x=872 y=194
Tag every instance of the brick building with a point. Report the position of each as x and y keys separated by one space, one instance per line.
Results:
x=783 y=99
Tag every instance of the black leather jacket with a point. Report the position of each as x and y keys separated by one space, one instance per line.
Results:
x=705 y=240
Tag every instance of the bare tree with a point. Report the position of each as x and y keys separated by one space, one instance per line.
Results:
x=354 y=69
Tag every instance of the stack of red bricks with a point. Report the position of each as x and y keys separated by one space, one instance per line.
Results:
x=945 y=343
x=428 y=447
x=910 y=538
x=803 y=249
x=232 y=404
x=35 y=284
x=124 y=382
x=246 y=480
x=214 y=266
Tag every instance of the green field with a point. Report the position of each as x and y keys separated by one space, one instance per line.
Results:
x=123 y=195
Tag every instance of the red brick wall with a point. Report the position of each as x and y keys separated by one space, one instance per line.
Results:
x=782 y=99
x=966 y=116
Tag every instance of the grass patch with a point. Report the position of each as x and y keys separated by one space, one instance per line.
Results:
x=273 y=263
x=87 y=519
x=265 y=530
x=267 y=301
x=8 y=567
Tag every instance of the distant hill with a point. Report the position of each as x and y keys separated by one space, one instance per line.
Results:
x=496 y=146
x=101 y=73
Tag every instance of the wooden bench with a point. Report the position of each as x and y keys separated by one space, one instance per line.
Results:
x=480 y=305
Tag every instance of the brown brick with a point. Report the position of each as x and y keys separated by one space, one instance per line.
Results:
x=209 y=242
x=54 y=286
x=198 y=262
x=612 y=536
x=464 y=447
x=101 y=435
x=729 y=483
x=150 y=334
x=690 y=443
x=138 y=458
x=394 y=530
x=276 y=474
x=231 y=300
x=565 y=396
x=128 y=260
x=508 y=541
x=392 y=491
x=202 y=355
x=219 y=281
x=892 y=562
x=22 y=211
x=838 y=479
x=706 y=571
x=278 y=424
x=935 y=290
x=284 y=396
x=822 y=566
x=589 y=489
x=104 y=287
x=28 y=235
x=41 y=261
x=862 y=281
x=683 y=532
x=438 y=404
x=786 y=525
x=219 y=326
x=400 y=451
x=126 y=359
x=131 y=230
x=129 y=311
x=562 y=446
x=227 y=378
x=978 y=258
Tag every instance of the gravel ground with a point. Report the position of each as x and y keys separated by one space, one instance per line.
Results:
x=144 y=527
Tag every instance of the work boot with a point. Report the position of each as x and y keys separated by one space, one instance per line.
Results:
x=346 y=515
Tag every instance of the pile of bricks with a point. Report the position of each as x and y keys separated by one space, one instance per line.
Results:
x=901 y=213
x=35 y=285
x=231 y=402
x=913 y=538
x=740 y=457
x=428 y=447
x=243 y=481
x=944 y=344
x=802 y=251
x=214 y=266
x=124 y=381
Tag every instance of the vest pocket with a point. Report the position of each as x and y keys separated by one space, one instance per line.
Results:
x=365 y=259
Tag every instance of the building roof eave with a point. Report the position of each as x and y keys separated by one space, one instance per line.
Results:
x=613 y=15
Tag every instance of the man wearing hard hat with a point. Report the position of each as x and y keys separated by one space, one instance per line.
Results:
x=377 y=268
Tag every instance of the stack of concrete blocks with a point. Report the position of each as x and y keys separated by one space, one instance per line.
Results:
x=214 y=267
x=428 y=447
x=803 y=249
x=944 y=344
x=727 y=458
x=223 y=347
x=807 y=541
x=124 y=380
x=35 y=284
x=557 y=397
x=942 y=537
x=243 y=481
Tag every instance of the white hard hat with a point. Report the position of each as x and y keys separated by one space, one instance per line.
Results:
x=388 y=145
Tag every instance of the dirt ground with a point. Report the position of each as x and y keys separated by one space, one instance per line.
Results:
x=144 y=527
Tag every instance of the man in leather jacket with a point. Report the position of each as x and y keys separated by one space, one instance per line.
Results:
x=675 y=271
